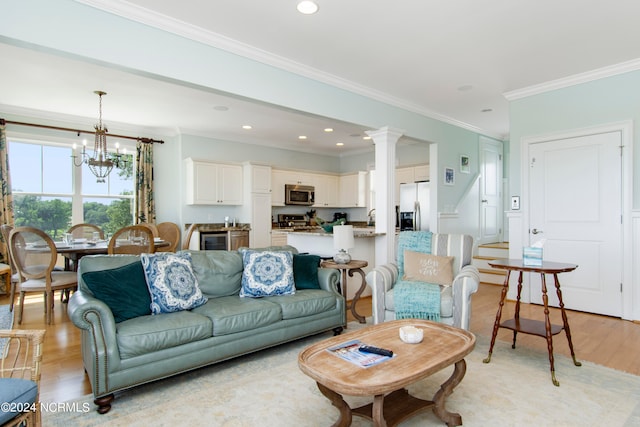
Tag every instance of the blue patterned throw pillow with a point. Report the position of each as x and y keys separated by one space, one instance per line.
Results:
x=267 y=274
x=172 y=284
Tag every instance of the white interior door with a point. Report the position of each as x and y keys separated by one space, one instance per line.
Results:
x=490 y=191
x=575 y=190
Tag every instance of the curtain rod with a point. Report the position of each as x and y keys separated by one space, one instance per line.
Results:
x=78 y=131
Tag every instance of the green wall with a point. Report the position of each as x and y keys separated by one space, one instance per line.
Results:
x=608 y=100
x=72 y=29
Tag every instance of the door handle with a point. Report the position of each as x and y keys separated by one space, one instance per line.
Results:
x=484 y=201
x=536 y=231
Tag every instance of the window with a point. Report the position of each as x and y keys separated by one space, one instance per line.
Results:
x=50 y=193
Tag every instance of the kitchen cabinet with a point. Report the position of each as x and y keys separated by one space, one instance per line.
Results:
x=279 y=238
x=408 y=175
x=260 y=234
x=281 y=177
x=327 y=191
x=353 y=190
x=213 y=183
x=260 y=178
x=257 y=207
x=238 y=239
x=421 y=173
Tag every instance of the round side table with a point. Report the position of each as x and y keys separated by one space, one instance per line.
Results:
x=354 y=266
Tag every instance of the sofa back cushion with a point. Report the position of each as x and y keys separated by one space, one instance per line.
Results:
x=219 y=273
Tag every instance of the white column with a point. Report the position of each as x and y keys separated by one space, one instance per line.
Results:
x=385 y=140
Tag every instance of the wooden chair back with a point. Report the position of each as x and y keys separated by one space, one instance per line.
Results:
x=85 y=231
x=35 y=256
x=169 y=232
x=134 y=239
x=23 y=360
x=153 y=227
x=187 y=239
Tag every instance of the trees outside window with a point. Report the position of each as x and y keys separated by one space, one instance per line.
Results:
x=50 y=193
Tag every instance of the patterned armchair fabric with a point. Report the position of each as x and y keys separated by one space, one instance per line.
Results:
x=455 y=299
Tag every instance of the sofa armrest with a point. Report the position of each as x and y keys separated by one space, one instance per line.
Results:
x=464 y=285
x=381 y=279
x=329 y=279
x=98 y=326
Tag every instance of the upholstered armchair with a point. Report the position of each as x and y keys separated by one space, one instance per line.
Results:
x=455 y=300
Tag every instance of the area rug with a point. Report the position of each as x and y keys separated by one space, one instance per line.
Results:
x=268 y=389
x=6 y=322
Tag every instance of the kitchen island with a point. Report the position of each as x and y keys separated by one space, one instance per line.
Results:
x=319 y=242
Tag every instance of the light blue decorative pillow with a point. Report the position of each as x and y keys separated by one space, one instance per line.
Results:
x=172 y=284
x=267 y=273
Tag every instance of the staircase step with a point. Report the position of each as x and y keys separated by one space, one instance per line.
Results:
x=482 y=262
x=496 y=245
x=492 y=277
x=492 y=252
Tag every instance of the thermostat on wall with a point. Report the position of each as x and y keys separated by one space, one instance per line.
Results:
x=515 y=203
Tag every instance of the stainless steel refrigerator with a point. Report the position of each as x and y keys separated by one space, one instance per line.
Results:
x=414 y=206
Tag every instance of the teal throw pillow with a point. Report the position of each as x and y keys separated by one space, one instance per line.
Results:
x=266 y=274
x=305 y=271
x=172 y=284
x=123 y=289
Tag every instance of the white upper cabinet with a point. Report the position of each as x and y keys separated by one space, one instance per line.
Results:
x=327 y=191
x=408 y=175
x=260 y=179
x=279 y=178
x=353 y=190
x=213 y=183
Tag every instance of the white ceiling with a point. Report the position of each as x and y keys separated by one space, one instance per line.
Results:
x=447 y=59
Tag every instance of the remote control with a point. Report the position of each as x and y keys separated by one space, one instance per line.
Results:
x=376 y=350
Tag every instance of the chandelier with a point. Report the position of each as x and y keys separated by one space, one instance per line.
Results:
x=102 y=162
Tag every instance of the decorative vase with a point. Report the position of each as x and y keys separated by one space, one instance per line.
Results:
x=342 y=257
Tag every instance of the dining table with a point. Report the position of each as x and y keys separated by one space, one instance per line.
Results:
x=72 y=252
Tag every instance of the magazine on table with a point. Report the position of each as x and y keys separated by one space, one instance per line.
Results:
x=350 y=352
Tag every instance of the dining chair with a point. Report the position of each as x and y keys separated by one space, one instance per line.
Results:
x=35 y=257
x=153 y=227
x=133 y=239
x=187 y=240
x=169 y=232
x=20 y=373
x=85 y=231
x=5 y=229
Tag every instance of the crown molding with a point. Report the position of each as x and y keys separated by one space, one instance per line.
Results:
x=162 y=22
x=589 y=76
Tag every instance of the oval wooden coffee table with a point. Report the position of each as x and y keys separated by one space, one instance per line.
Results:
x=442 y=346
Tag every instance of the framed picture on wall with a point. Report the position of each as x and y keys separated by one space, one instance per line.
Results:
x=449 y=176
x=465 y=167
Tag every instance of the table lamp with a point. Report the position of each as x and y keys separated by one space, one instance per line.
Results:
x=342 y=240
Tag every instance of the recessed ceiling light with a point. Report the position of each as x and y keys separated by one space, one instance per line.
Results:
x=221 y=108
x=302 y=137
x=339 y=144
x=246 y=127
x=366 y=138
x=328 y=129
x=307 y=7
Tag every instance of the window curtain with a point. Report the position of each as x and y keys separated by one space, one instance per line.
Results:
x=6 y=198
x=145 y=203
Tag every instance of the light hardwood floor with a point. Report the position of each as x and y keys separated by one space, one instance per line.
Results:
x=599 y=339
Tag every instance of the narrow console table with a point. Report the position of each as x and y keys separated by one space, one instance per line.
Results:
x=354 y=266
x=533 y=327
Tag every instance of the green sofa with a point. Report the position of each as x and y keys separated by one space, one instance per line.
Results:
x=142 y=349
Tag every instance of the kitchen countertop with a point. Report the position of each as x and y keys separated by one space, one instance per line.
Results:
x=357 y=232
x=220 y=227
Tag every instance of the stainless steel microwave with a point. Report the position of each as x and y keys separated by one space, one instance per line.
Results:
x=303 y=195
